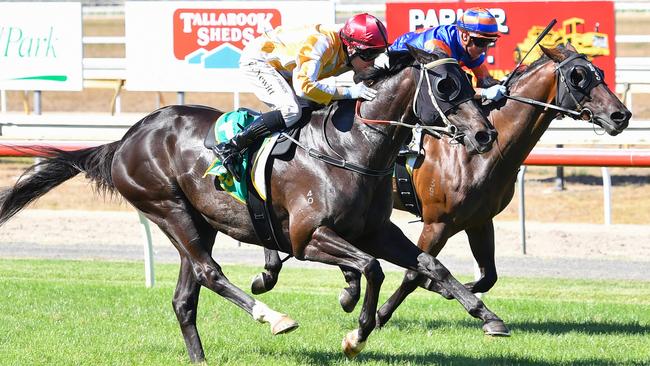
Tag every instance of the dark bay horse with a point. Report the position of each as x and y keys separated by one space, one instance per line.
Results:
x=157 y=167
x=464 y=191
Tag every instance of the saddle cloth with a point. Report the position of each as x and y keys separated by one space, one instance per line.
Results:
x=227 y=126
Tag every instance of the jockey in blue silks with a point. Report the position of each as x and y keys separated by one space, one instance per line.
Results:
x=466 y=41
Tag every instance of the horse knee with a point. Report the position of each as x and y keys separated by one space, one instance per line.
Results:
x=373 y=272
x=212 y=278
x=430 y=264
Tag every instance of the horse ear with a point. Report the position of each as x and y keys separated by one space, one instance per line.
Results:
x=570 y=47
x=419 y=55
x=553 y=54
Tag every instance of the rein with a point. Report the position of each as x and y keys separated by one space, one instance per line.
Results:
x=339 y=162
x=583 y=113
x=449 y=129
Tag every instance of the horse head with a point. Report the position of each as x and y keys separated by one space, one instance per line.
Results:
x=434 y=92
x=581 y=88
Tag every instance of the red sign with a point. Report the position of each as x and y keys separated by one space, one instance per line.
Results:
x=207 y=29
x=588 y=25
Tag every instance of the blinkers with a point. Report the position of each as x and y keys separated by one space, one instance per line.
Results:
x=446 y=87
x=577 y=78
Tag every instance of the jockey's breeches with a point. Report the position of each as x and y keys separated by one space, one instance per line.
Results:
x=271 y=88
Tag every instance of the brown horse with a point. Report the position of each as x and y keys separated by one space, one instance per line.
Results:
x=463 y=191
x=157 y=167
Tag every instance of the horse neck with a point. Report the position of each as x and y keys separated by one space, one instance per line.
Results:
x=520 y=125
x=376 y=144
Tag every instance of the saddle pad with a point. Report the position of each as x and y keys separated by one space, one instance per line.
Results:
x=227 y=126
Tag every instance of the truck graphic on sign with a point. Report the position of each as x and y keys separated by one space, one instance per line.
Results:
x=592 y=44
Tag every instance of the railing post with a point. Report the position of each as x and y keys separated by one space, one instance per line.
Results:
x=607 y=195
x=235 y=100
x=37 y=102
x=148 y=251
x=522 y=207
x=559 y=175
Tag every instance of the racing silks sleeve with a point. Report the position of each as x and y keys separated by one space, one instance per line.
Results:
x=316 y=54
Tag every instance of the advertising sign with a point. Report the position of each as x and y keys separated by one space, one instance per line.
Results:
x=588 y=25
x=195 y=46
x=40 y=46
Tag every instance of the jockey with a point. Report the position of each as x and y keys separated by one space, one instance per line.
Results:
x=284 y=64
x=466 y=41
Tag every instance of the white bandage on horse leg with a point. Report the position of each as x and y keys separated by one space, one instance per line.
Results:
x=264 y=314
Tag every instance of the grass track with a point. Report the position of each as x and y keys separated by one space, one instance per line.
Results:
x=97 y=313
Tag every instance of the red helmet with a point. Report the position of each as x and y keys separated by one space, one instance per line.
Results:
x=364 y=31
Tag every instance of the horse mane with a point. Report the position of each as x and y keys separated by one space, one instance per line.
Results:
x=520 y=71
x=397 y=61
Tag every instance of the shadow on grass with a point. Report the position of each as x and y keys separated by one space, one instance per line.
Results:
x=312 y=357
x=551 y=327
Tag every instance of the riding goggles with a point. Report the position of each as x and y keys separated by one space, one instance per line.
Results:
x=482 y=42
x=369 y=54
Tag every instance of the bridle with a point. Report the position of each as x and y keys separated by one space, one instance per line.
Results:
x=447 y=88
x=571 y=91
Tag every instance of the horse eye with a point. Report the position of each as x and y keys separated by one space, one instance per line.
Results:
x=446 y=86
x=577 y=76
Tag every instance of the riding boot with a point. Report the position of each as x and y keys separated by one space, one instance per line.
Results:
x=230 y=152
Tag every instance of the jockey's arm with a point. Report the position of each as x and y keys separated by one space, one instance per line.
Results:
x=483 y=77
x=305 y=80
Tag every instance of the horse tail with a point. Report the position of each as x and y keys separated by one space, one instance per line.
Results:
x=57 y=167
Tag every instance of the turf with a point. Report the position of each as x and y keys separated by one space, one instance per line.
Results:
x=99 y=313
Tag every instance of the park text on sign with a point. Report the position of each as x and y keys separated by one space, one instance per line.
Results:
x=208 y=29
x=40 y=46
x=588 y=25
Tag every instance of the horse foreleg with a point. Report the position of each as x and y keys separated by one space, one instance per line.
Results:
x=265 y=281
x=328 y=247
x=395 y=247
x=481 y=240
x=432 y=240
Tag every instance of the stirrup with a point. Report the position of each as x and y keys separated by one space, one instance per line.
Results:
x=232 y=163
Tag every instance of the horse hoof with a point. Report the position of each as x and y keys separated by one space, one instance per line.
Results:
x=496 y=328
x=258 y=285
x=347 y=301
x=284 y=325
x=351 y=345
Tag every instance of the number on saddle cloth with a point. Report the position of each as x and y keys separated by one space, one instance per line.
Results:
x=225 y=128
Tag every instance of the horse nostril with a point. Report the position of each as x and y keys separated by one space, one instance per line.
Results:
x=619 y=116
x=483 y=137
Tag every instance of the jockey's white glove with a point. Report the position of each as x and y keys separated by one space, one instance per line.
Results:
x=360 y=91
x=494 y=93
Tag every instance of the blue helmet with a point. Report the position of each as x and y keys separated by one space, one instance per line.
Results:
x=479 y=22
